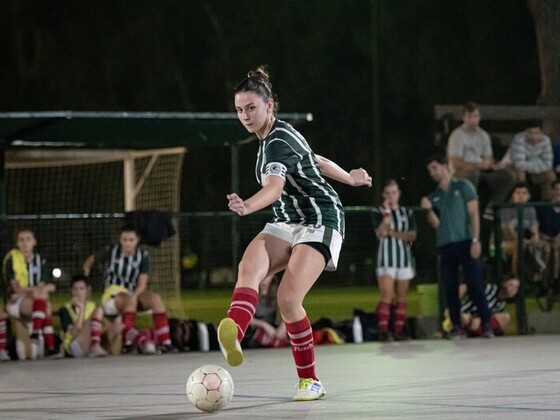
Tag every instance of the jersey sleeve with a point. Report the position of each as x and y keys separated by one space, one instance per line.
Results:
x=376 y=217
x=145 y=263
x=411 y=220
x=279 y=152
x=468 y=191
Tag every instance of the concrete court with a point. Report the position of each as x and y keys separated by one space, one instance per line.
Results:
x=503 y=378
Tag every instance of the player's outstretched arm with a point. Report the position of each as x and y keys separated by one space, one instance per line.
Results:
x=268 y=194
x=355 y=178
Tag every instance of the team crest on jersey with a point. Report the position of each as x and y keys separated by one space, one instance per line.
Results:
x=276 y=168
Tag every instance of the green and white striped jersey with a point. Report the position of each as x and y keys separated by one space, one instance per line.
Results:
x=307 y=199
x=392 y=252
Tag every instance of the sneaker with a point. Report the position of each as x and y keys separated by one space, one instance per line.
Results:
x=165 y=348
x=400 y=337
x=148 y=348
x=309 y=389
x=384 y=336
x=4 y=356
x=487 y=331
x=456 y=333
x=97 y=351
x=127 y=347
x=229 y=344
x=37 y=343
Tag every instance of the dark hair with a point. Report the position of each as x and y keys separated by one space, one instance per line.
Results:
x=79 y=277
x=519 y=185
x=390 y=182
x=131 y=227
x=470 y=107
x=438 y=158
x=533 y=123
x=258 y=81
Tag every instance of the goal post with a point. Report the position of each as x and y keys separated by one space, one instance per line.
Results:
x=75 y=200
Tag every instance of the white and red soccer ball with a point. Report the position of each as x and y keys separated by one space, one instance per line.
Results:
x=210 y=388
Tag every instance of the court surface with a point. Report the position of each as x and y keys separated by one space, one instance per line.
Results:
x=503 y=378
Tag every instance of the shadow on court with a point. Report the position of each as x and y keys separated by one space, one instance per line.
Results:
x=503 y=378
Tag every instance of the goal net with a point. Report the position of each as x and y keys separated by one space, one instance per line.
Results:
x=75 y=202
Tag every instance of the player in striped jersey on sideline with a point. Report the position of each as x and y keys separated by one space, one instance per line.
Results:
x=28 y=291
x=126 y=281
x=395 y=226
x=304 y=237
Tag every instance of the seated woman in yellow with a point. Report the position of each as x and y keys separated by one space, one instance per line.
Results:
x=81 y=320
x=28 y=293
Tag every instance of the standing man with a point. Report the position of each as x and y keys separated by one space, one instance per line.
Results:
x=452 y=209
x=470 y=152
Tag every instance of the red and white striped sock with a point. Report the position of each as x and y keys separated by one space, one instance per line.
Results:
x=301 y=337
x=242 y=308
x=383 y=315
x=48 y=333
x=400 y=316
x=128 y=320
x=3 y=334
x=38 y=315
x=262 y=338
x=96 y=330
x=161 y=326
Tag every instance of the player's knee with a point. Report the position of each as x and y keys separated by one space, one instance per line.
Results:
x=248 y=270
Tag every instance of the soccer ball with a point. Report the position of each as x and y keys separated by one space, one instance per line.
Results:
x=210 y=388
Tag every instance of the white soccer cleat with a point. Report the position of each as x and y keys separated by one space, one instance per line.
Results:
x=97 y=351
x=229 y=344
x=308 y=389
x=148 y=348
x=4 y=356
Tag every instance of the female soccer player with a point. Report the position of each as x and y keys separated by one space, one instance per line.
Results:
x=81 y=319
x=396 y=230
x=304 y=237
x=28 y=293
x=126 y=283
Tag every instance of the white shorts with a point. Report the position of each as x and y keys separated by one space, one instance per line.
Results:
x=300 y=234
x=405 y=273
x=110 y=307
x=13 y=308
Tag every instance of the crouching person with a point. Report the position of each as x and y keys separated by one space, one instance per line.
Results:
x=82 y=322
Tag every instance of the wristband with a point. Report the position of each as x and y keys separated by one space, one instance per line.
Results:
x=474 y=240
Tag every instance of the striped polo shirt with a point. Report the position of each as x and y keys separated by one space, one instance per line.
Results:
x=393 y=252
x=122 y=270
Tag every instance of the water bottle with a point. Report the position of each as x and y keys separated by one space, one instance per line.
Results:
x=203 y=337
x=357 y=330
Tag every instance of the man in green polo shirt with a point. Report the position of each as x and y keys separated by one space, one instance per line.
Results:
x=452 y=209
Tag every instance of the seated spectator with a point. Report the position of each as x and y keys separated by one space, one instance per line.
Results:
x=470 y=153
x=264 y=329
x=531 y=156
x=531 y=237
x=82 y=322
x=4 y=356
x=556 y=158
x=497 y=297
x=28 y=293
x=549 y=225
x=125 y=293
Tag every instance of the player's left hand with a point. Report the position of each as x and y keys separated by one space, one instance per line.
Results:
x=360 y=177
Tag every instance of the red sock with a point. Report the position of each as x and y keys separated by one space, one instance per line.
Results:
x=242 y=308
x=3 y=334
x=38 y=315
x=494 y=324
x=383 y=315
x=301 y=337
x=95 y=334
x=400 y=317
x=48 y=333
x=128 y=320
x=161 y=325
